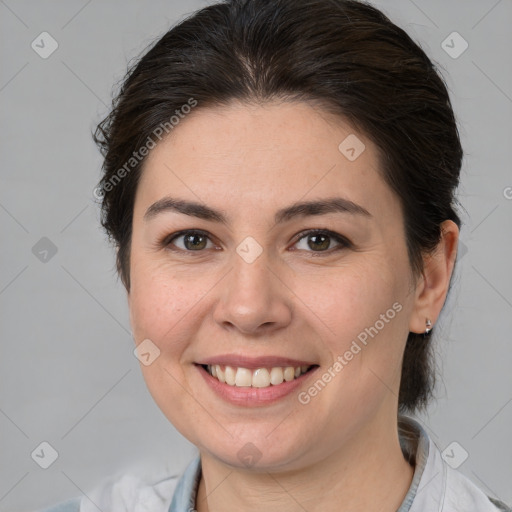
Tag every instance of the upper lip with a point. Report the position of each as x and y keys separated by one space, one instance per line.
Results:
x=252 y=363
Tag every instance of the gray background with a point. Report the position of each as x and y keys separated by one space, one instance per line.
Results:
x=68 y=373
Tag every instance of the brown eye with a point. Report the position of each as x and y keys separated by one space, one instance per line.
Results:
x=192 y=241
x=321 y=241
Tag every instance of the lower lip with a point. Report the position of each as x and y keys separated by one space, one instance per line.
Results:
x=253 y=397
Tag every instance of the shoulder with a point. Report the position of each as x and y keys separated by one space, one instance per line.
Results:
x=436 y=484
x=130 y=492
x=463 y=494
x=458 y=492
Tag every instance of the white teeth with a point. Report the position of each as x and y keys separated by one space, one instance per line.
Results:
x=230 y=375
x=276 y=376
x=289 y=373
x=259 y=378
x=243 y=377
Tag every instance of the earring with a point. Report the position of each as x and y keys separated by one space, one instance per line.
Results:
x=428 y=326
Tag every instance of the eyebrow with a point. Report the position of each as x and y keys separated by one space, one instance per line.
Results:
x=301 y=209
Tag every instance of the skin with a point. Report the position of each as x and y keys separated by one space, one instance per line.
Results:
x=340 y=451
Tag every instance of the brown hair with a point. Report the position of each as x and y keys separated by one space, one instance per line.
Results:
x=344 y=55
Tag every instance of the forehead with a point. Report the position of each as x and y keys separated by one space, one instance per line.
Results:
x=263 y=155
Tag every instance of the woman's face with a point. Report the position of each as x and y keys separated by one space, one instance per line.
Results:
x=255 y=290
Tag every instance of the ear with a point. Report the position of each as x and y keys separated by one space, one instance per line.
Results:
x=432 y=286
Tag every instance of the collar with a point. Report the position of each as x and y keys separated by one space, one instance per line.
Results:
x=413 y=440
x=435 y=486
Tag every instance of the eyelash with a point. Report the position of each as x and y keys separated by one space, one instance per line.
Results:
x=344 y=242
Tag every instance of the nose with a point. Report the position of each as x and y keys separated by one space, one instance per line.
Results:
x=254 y=299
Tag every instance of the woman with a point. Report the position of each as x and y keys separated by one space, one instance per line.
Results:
x=279 y=182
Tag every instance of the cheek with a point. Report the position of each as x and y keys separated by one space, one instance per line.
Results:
x=157 y=302
x=161 y=309
x=363 y=321
x=349 y=299
x=166 y=304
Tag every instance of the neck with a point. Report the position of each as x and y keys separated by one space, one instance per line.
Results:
x=370 y=474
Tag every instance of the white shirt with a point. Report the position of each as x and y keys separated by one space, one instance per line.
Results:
x=436 y=487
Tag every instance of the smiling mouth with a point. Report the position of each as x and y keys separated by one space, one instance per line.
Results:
x=257 y=378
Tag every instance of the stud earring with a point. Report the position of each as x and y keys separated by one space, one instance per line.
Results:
x=428 y=326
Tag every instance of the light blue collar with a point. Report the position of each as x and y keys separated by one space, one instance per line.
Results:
x=184 y=498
